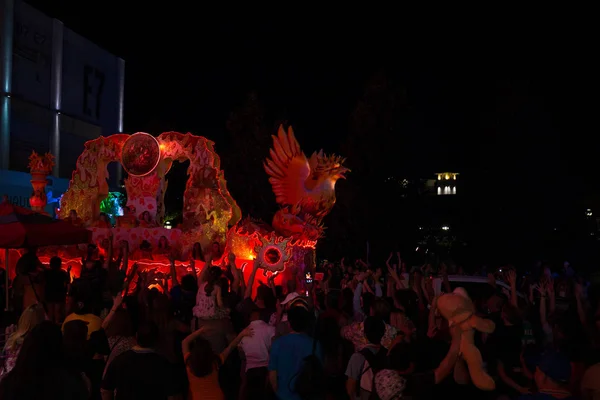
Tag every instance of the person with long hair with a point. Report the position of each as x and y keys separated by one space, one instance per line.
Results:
x=168 y=327
x=31 y=317
x=146 y=220
x=57 y=282
x=202 y=364
x=196 y=252
x=40 y=371
x=163 y=247
x=102 y=222
x=208 y=298
x=119 y=330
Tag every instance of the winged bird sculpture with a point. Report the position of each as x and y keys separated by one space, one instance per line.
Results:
x=305 y=188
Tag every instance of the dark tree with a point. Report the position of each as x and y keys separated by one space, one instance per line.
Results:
x=367 y=210
x=247 y=147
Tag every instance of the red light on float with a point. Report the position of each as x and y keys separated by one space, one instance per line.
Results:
x=140 y=154
x=273 y=253
x=272 y=256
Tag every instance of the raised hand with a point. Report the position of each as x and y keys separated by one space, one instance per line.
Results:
x=247 y=332
x=511 y=277
x=208 y=257
x=117 y=301
x=434 y=302
x=541 y=287
x=578 y=290
x=550 y=287
x=392 y=271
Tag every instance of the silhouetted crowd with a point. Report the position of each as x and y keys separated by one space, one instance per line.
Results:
x=360 y=331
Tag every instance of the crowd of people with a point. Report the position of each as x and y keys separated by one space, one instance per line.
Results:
x=360 y=331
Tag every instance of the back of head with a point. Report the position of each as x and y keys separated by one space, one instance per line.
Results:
x=75 y=334
x=120 y=325
x=42 y=348
x=83 y=301
x=367 y=301
x=214 y=273
x=75 y=330
x=161 y=304
x=332 y=300
x=255 y=314
x=265 y=294
x=202 y=358
x=381 y=309
x=224 y=284
x=262 y=292
x=189 y=283
x=147 y=335
x=374 y=329
x=31 y=317
x=299 y=319
x=55 y=262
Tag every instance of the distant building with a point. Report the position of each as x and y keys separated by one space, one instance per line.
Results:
x=446 y=183
x=58 y=90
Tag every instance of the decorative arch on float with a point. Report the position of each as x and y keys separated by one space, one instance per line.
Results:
x=208 y=208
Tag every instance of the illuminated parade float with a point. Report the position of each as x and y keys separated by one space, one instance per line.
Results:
x=304 y=189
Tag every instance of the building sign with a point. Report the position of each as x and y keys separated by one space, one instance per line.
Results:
x=32 y=55
x=90 y=89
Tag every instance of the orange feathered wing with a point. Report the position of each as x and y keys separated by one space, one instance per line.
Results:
x=288 y=168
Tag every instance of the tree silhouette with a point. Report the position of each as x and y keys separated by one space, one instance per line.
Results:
x=367 y=209
x=248 y=145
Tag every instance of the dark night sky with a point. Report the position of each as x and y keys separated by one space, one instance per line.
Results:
x=482 y=101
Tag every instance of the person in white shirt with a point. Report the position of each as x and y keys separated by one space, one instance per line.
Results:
x=256 y=350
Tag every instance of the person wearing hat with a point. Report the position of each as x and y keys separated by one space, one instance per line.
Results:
x=552 y=376
x=282 y=326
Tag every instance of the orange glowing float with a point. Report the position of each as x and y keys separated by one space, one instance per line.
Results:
x=304 y=189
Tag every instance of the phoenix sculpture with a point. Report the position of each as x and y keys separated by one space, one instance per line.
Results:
x=303 y=187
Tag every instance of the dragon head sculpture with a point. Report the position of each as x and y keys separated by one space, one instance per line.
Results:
x=290 y=224
x=327 y=167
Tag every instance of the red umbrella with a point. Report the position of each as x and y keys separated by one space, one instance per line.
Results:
x=21 y=227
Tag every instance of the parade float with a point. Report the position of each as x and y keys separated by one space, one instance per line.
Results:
x=304 y=189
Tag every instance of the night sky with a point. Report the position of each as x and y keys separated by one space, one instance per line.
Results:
x=187 y=69
x=510 y=110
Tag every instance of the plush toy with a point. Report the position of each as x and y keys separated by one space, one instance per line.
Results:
x=458 y=309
